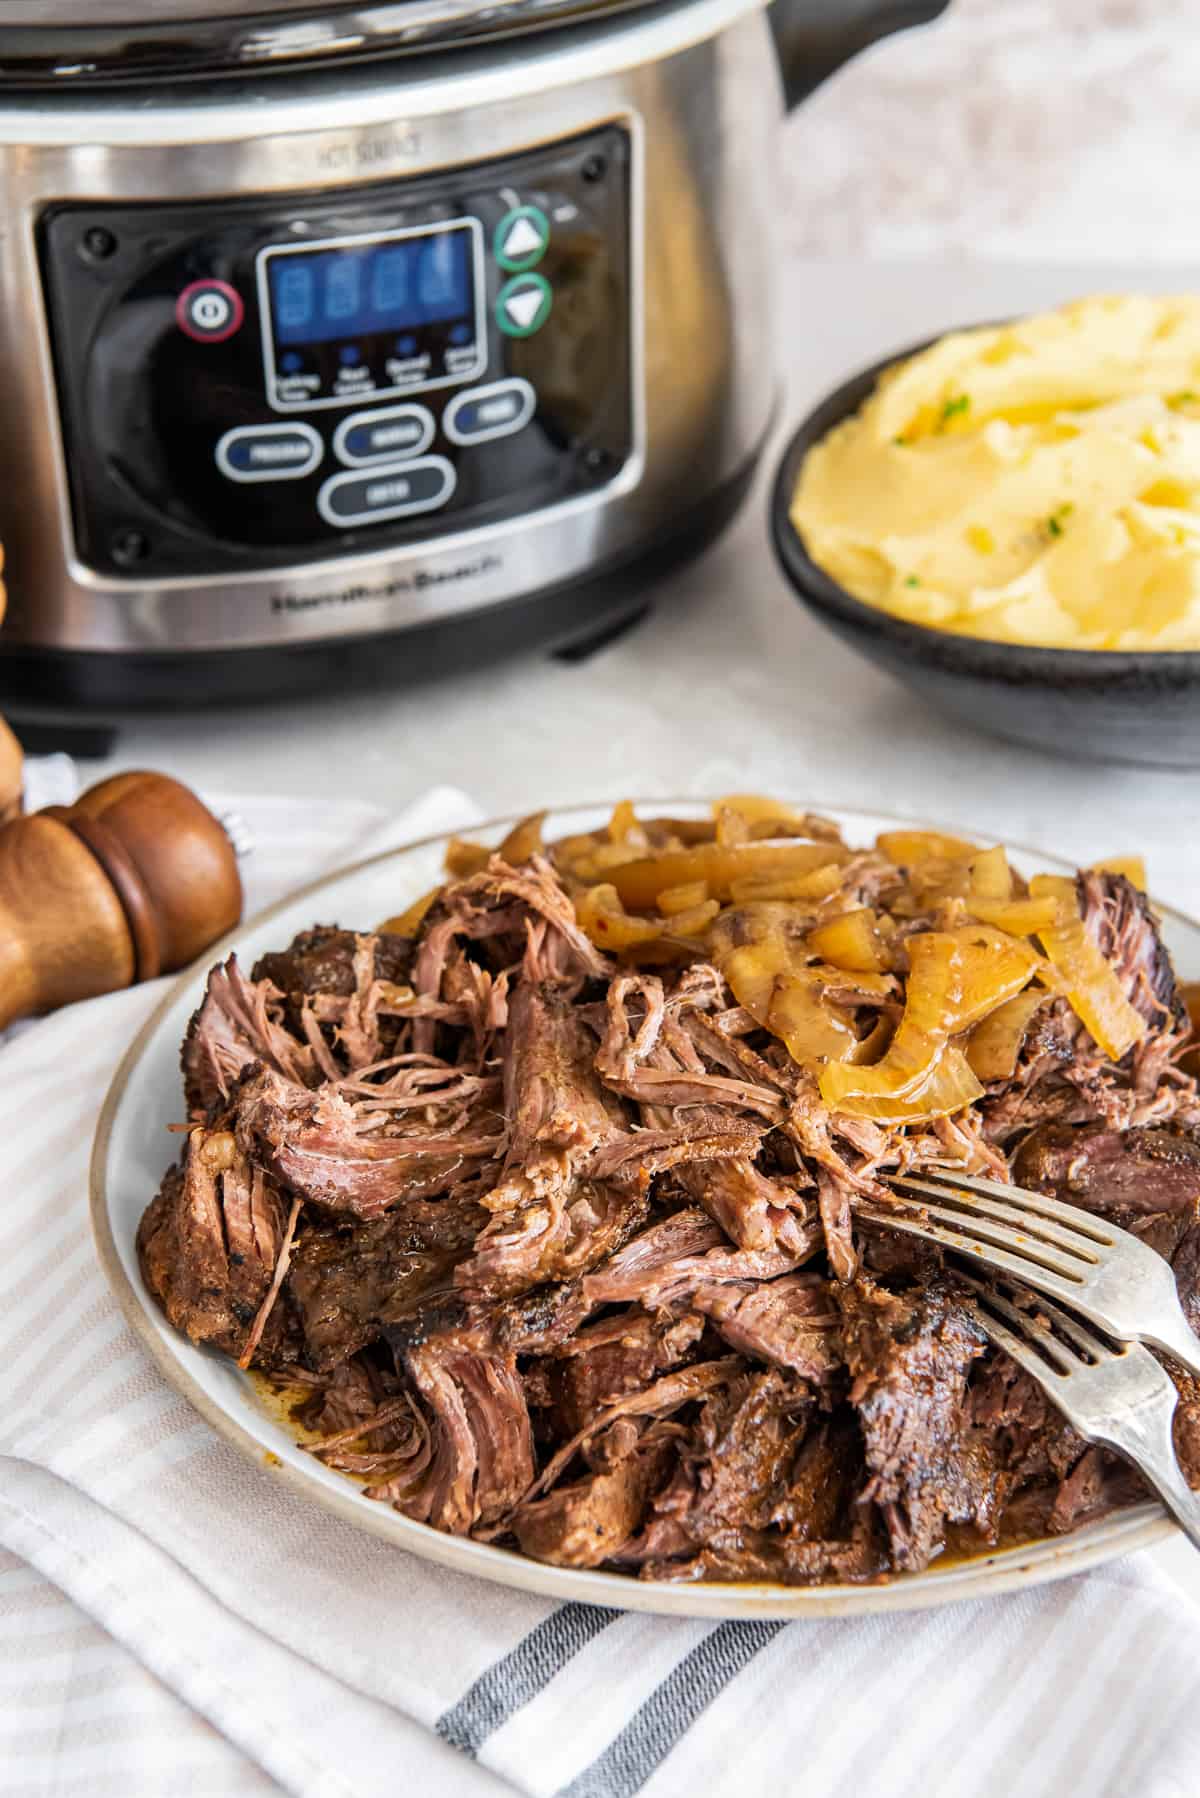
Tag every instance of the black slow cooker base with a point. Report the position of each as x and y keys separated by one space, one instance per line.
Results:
x=553 y=618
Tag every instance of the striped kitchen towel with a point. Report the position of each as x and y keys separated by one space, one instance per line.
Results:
x=172 y=1620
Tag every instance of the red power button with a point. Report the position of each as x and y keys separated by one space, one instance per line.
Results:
x=209 y=311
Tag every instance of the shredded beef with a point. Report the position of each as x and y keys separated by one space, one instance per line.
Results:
x=558 y=1248
x=477 y=1429
x=347 y=1282
x=590 y=1521
x=763 y=1490
x=238 y=1025
x=208 y=1244
x=1115 y=1172
x=757 y=1212
x=791 y=1322
x=321 y=1147
x=321 y=961
x=550 y=1238
x=909 y=1356
x=1096 y=1485
x=602 y=1363
x=1120 y=921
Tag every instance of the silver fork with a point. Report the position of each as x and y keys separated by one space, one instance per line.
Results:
x=1120 y=1397
x=1101 y=1271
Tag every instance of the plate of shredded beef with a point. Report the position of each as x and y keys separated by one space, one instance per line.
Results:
x=511 y=1213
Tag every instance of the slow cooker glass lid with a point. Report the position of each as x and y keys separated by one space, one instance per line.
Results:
x=130 y=40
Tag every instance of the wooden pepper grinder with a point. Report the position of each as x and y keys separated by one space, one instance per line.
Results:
x=12 y=772
x=135 y=879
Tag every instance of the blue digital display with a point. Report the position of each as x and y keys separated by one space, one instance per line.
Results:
x=318 y=296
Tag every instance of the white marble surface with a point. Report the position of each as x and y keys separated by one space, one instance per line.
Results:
x=1024 y=129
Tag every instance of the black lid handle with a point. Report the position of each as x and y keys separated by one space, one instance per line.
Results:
x=815 y=37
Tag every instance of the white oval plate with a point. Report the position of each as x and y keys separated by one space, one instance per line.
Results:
x=132 y=1150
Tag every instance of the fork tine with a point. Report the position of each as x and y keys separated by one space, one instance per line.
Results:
x=1072 y=1327
x=1077 y=1330
x=1062 y=1359
x=1029 y=1223
x=1025 y=1243
x=1070 y=1216
x=1020 y=1267
x=1018 y=1348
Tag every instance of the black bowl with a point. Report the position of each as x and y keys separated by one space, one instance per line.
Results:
x=1096 y=704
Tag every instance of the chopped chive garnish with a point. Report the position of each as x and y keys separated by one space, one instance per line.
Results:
x=953 y=407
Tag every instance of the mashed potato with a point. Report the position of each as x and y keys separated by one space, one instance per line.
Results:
x=1033 y=483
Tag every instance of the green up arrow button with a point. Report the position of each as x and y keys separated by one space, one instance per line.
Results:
x=521 y=238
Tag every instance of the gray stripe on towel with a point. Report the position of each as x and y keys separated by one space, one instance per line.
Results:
x=512 y=1681
x=669 y=1712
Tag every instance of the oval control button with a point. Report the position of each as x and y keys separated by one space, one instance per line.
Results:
x=384 y=435
x=397 y=491
x=269 y=452
x=485 y=412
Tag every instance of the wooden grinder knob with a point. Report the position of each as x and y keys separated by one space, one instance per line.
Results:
x=135 y=879
x=12 y=774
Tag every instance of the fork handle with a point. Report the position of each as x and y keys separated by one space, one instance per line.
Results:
x=1146 y=1437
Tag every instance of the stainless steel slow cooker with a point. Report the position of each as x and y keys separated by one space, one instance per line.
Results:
x=377 y=335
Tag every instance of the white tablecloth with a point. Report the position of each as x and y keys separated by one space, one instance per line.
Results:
x=172 y=1621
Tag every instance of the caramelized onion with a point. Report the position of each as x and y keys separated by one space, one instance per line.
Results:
x=683 y=898
x=766 y=817
x=852 y=940
x=693 y=922
x=464 y=859
x=1093 y=990
x=523 y=840
x=1133 y=867
x=949 y=1086
x=732 y=827
x=909 y=847
x=1019 y=917
x=746 y=891
x=640 y=882
x=789 y=1000
x=623 y=826
x=991 y=876
x=407 y=923
x=960 y=975
x=997 y=1040
x=820 y=884
x=604 y=919
x=955 y=979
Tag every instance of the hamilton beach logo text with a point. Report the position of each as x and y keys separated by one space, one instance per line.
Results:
x=393 y=589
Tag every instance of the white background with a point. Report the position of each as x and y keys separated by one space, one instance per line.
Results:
x=1028 y=129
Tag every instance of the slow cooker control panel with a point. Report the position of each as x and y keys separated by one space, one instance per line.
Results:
x=260 y=383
